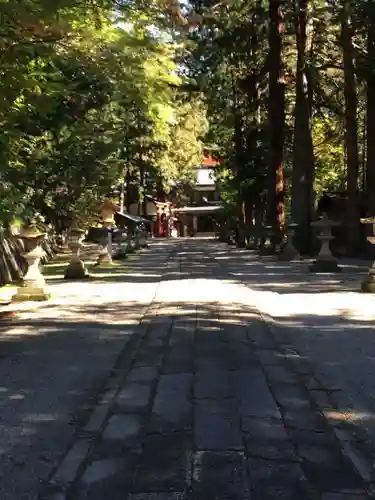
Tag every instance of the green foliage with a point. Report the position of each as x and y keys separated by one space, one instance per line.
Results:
x=227 y=56
x=188 y=125
x=84 y=99
x=329 y=153
x=97 y=93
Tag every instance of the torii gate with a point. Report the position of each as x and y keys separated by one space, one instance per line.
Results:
x=163 y=215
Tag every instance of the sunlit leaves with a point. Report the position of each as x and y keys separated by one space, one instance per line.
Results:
x=80 y=110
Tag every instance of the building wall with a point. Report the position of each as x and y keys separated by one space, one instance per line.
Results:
x=205 y=186
x=205 y=176
x=209 y=194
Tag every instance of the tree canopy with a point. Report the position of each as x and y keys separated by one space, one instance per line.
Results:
x=90 y=98
x=95 y=94
x=289 y=92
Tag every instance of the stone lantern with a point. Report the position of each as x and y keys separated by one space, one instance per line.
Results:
x=137 y=234
x=325 y=261
x=108 y=210
x=33 y=285
x=266 y=245
x=76 y=268
x=289 y=251
x=368 y=284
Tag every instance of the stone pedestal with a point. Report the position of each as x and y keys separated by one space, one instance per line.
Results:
x=289 y=252
x=195 y=225
x=325 y=261
x=137 y=238
x=33 y=285
x=368 y=284
x=105 y=255
x=254 y=239
x=76 y=269
x=143 y=237
x=120 y=239
x=266 y=246
x=130 y=243
x=108 y=209
x=241 y=237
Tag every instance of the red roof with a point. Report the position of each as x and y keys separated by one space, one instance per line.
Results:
x=210 y=162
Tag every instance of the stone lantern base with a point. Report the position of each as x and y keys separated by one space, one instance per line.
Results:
x=325 y=266
x=266 y=247
x=33 y=283
x=325 y=262
x=105 y=254
x=368 y=284
x=76 y=270
x=104 y=260
x=32 y=293
x=289 y=253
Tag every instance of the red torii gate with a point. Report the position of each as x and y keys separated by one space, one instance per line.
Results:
x=163 y=215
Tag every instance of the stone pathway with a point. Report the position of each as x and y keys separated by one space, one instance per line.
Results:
x=56 y=357
x=328 y=326
x=206 y=402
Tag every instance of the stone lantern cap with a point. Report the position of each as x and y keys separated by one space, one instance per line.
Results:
x=367 y=220
x=109 y=206
x=74 y=228
x=108 y=210
x=31 y=231
x=324 y=221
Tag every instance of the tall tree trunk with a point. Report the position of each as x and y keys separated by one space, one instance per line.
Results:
x=141 y=199
x=253 y=145
x=276 y=116
x=351 y=134
x=303 y=151
x=127 y=190
x=239 y=158
x=122 y=190
x=370 y=113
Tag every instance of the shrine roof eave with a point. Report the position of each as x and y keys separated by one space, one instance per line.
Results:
x=205 y=209
x=133 y=218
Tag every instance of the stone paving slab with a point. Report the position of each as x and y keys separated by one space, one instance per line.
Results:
x=172 y=409
x=217 y=425
x=210 y=407
x=220 y=475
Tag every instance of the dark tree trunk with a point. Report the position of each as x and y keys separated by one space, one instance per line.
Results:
x=127 y=190
x=370 y=127
x=351 y=134
x=276 y=117
x=303 y=157
x=122 y=190
x=239 y=157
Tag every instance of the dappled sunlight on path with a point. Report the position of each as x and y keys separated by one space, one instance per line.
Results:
x=288 y=289
x=185 y=316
